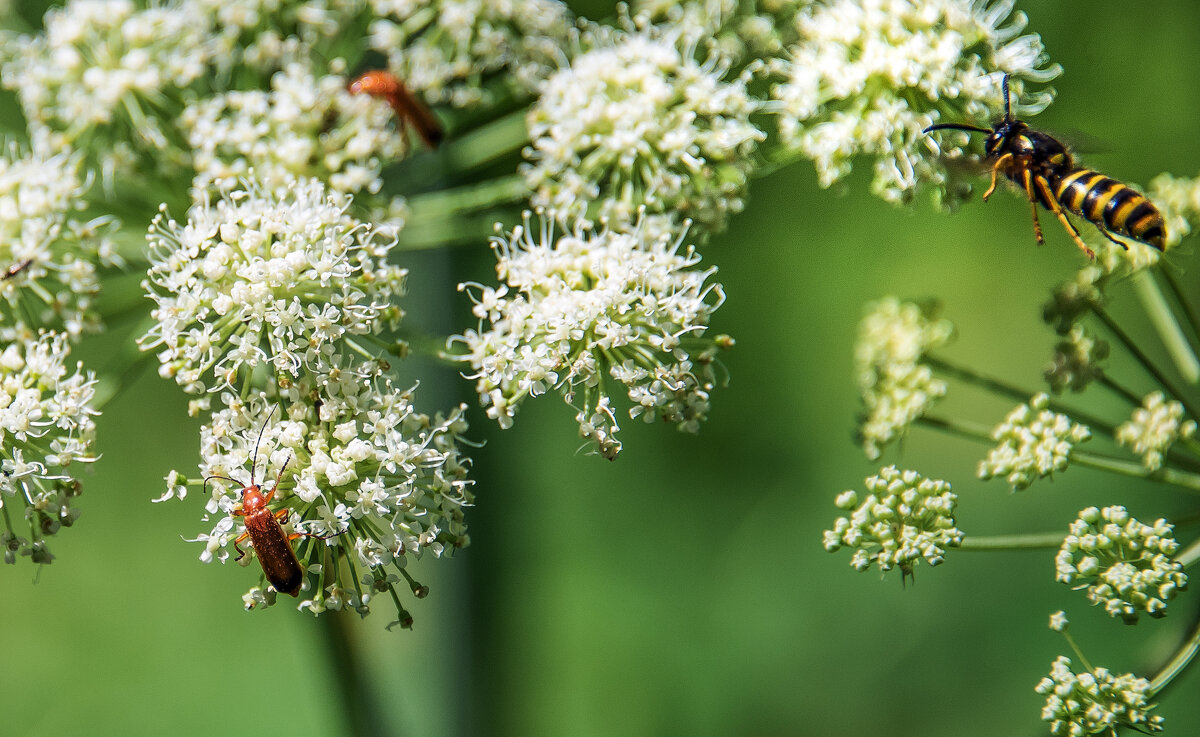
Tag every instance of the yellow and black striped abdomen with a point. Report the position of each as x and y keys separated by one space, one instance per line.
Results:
x=1111 y=205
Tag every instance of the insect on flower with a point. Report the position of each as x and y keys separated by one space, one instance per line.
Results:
x=15 y=269
x=271 y=544
x=1041 y=166
x=409 y=109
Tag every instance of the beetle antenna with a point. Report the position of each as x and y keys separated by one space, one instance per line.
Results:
x=254 y=465
x=1007 y=109
x=218 y=476
x=956 y=127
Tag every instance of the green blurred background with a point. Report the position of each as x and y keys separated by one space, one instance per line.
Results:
x=683 y=589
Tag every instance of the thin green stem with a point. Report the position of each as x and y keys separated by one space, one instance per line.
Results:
x=1028 y=541
x=1120 y=390
x=1185 y=305
x=1190 y=555
x=1148 y=290
x=452 y=202
x=1021 y=394
x=487 y=143
x=1145 y=360
x=360 y=706
x=1178 y=662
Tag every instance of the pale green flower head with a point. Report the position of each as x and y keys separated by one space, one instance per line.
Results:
x=1125 y=565
x=1078 y=361
x=46 y=427
x=1034 y=442
x=265 y=278
x=48 y=255
x=594 y=314
x=896 y=387
x=1096 y=701
x=867 y=77
x=1071 y=300
x=447 y=48
x=358 y=466
x=905 y=518
x=305 y=126
x=1154 y=427
x=645 y=119
x=108 y=77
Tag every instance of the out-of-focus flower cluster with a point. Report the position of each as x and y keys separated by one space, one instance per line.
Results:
x=590 y=313
x=1154 y=427
x=895 y=385
x=904 y=518
x=1125 y=565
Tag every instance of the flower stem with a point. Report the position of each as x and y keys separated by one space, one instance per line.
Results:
x=460 y=215
x=1028 y=541
x=1178 y=662
x=1156 y=307
x=487 y=143
x=358 y=700
x=1145 y=360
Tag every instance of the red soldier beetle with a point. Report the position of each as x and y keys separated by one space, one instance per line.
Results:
x=271 y=544
x=408 y=108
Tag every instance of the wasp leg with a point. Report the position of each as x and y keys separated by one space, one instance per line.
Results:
x=1104 y=231
x=995 y=169
x=1044 y=188
x=1037 y=227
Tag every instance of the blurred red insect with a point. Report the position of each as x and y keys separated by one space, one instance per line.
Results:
x=409 y=109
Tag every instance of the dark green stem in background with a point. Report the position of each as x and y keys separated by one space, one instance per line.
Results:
x=357 y=696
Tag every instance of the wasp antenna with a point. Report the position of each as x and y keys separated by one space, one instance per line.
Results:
x=254 y=465
x=956 y=127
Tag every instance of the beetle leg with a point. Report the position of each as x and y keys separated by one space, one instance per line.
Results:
x=995 y=170
x=1033 y=203
x=1044 y=188
x=236 y=540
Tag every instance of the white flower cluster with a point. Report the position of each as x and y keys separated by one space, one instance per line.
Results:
x=102 y=63
x=444 y=49
x=896 y=387
x=905 y=518
x=1178 y=198
x=1154 y=427
x=1078 y=361
x=1095 y=702
x=47 y=255
x=868 y=76
x=362 y=468
x=45 y=426
x=266 y=278
x=580 y=311
x=638 y=122
x=1034 y=443
x=305 y=126
x=1125 y=565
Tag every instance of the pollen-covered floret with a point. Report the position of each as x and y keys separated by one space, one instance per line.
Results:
x=1125 y=565
x=896 y=387
x=1034 y=442
x=362 y=468
x=1096 y=701
x=1154 y=427
x=306 y=125
x=866 y=78
x=904 y=518
x=48 y=256
x=265 y=277
x=445 y=49
x=46 y=425
x=644 y=119
x=590 y=314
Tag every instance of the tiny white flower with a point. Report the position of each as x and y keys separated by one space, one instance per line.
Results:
x=1154 y=427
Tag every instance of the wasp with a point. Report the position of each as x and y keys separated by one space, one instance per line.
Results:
x=408 y=107
x=1040 y=165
